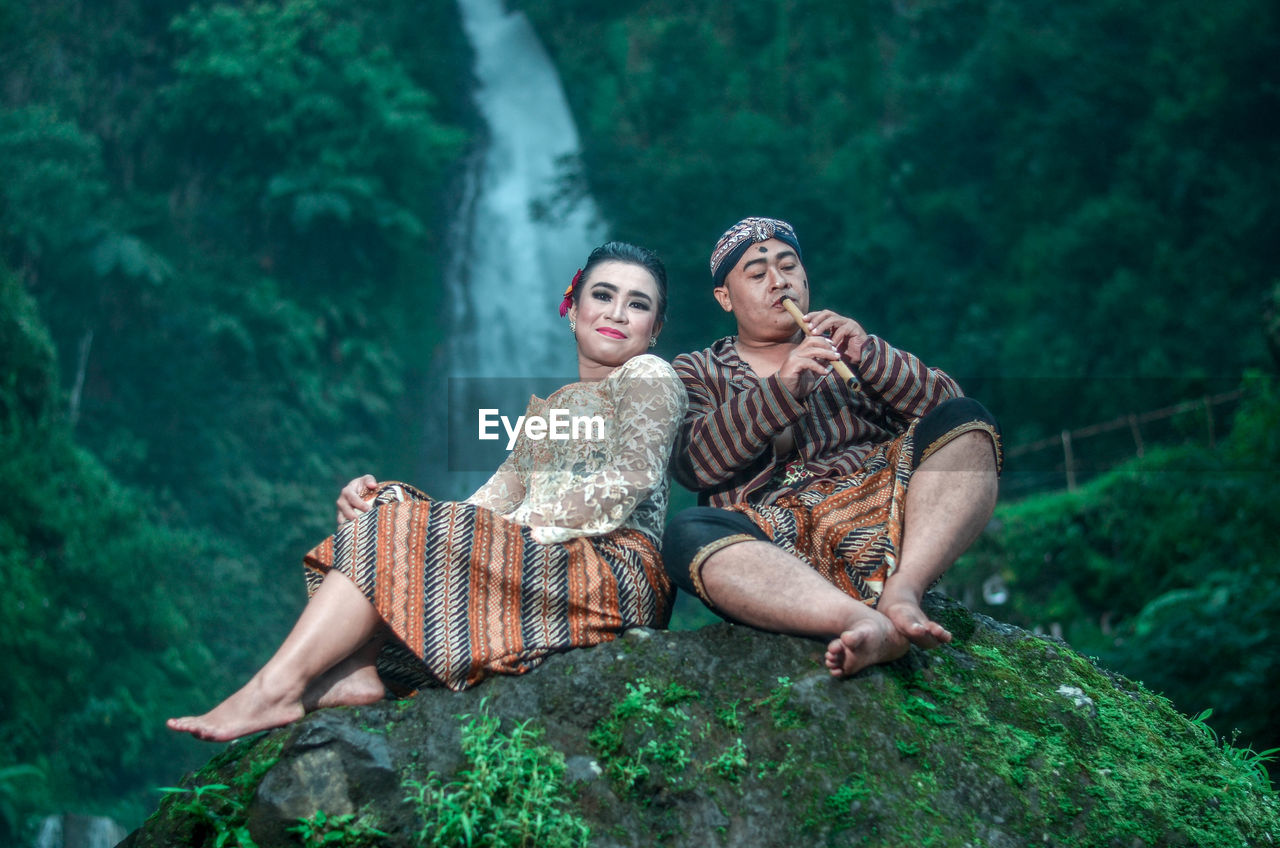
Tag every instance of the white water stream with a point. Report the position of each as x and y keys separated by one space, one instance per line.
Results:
x=507 y=267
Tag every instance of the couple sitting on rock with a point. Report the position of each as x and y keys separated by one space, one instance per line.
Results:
x=829 y=504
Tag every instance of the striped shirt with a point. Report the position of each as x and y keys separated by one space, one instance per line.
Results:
x=725 y=450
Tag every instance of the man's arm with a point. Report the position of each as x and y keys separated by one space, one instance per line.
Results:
x=908 y=386
x=717 y=437
x=902 y=380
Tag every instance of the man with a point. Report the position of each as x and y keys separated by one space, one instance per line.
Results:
x=829 y=507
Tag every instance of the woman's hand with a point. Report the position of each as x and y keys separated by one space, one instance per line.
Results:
x=353 y=499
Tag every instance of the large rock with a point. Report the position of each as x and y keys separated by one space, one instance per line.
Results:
x=730 y=736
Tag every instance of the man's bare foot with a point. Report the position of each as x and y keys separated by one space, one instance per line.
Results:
x=354 y=682
x=907 y=616
x=249 y=710
x=871 y=640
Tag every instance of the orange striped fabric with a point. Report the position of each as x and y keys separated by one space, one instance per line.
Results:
x=467 y=593
x=849 y=529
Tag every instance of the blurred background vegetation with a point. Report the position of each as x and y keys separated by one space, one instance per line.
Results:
x=222 y=235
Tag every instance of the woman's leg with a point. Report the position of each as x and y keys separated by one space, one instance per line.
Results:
x=337 y=623
x=352 y=682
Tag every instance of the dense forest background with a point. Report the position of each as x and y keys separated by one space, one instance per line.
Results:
x=221 y=245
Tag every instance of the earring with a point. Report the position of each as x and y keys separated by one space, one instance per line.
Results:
x=573 y=326
x=653 y=341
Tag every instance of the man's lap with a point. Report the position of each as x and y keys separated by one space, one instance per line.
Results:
x=848 y=529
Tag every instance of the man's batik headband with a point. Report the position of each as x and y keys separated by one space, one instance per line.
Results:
x=742 y=235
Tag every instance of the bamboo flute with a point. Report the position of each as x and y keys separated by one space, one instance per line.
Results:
x=838 y=365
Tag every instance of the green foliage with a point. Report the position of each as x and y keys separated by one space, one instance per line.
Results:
x=836 y=811
x=16 y=798
x=1036 y=197
x=346 y=830
x=216 y=806
x=54 y=181
x=1271 y=322
x=1253 y=763
x=1029 y=727
x=512 y=794
x=28 y=385
x=646 y=737
x=727 y=715
x=731 y=763
x=85 y=564
x=1166 y=569
x=214 y=291
x=269 y=238
x=319 y=135
x=212 y=809
x=783 y=716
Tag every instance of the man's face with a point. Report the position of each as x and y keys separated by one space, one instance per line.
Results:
x=754 y=289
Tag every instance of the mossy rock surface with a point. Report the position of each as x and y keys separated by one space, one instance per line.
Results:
x=730 y=736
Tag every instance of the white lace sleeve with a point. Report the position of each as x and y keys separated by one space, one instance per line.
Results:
x=504 y=491
x=648 y=402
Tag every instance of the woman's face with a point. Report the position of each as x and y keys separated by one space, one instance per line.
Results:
x=616 y=314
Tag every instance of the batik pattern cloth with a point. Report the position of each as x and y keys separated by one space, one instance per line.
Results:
x=558 y=550
x=848 y=529
x=726 y=448
x=837 y=500
x=742 y=235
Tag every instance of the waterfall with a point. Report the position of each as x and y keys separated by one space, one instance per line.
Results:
x=508 y=265
x=66 y=830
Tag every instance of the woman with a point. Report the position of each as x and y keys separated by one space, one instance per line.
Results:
x=558 y=550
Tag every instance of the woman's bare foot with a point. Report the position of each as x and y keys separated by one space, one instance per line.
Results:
x=903 y=609
x=354 y=682
x=255 y=707
x=871 y=640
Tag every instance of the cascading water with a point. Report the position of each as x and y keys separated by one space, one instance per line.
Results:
x=508 y=264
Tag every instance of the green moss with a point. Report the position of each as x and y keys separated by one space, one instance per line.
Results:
x=513 y=793
x=783 y=716
x=959 y=621
x=1030 y=735
x=835 y=811
x=211 y=807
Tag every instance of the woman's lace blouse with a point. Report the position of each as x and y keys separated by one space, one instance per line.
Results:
x=599 y=481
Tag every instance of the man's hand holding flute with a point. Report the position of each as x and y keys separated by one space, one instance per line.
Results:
x=832 y=341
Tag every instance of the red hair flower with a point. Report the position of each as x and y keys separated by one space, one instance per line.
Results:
x=568 y=294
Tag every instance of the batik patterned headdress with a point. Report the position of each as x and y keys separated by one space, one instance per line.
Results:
x=742 y=235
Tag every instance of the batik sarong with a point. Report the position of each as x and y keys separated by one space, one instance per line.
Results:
x=466 y=593
x=849 y=529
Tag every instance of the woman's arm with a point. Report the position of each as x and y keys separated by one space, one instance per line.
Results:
x=504 y=491
x=648 y=406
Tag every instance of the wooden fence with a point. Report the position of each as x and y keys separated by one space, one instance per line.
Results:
x=1069 y=442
